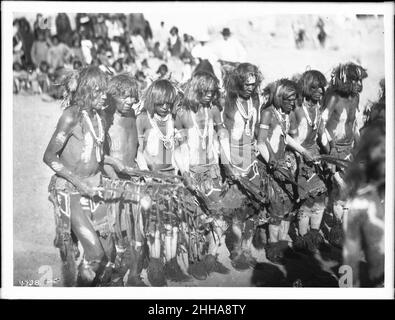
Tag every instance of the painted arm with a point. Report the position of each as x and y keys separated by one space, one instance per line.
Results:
x=329 y=107
x=323 y=137
x=140 y=159
x=135 y=141
x=181 y=151
x=223 y=135
x=51 y=158
x=112 y=166
x=263 y=143
x=293 y=129
x=298 y=148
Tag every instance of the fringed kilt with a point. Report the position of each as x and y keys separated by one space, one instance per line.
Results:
x=64 y=195
x=342 y=151
x=280 y=195
x=311 y=185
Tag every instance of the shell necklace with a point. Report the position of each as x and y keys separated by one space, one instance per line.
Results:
x=247 y=116
x=307 y=115
x=283 y=119
x=98 y=139
x=167 y=139
x=203 y=135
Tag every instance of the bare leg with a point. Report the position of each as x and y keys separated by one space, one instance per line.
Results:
x=95 y=258
x=174 y=242
x=316 y=216
x=168 y=243
x=303 y=221
x=274 y=231
x=284 y=228
x=338 y=209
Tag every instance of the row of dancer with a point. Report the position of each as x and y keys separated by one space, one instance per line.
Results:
x=253 y=163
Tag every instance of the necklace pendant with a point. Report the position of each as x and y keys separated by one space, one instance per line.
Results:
x=204 y=146
x=167 y=144
x=247 y=129
x=99 y=153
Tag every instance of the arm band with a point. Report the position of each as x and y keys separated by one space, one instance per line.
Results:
x=264 y=126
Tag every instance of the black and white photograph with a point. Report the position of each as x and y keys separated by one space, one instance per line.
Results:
x=197 y=150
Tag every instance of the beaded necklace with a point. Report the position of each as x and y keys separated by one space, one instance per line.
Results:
x=98 y=139
x=247 y=116
x=167 y=139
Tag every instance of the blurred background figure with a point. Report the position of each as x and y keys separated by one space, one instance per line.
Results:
x=59 y=54
x=163 y=72
x=40 y=47
x=100 y=28
x=321 y=34
x=139 y=45
x=364 y=225
x=230 y=49
x=86 y=47
x=63 y=29
x=174 y=43
x=299 y=32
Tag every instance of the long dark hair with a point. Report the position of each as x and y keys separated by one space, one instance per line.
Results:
x=275 y=90
x=89 y=80
x=235 y=79
x=342 y=76
x=160 y=91
x=196 y=87
x=307 y=79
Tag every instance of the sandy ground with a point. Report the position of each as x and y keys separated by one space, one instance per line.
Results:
x=35 y=120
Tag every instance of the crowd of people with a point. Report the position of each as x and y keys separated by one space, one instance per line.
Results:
x=157 y=178
x=116 y=43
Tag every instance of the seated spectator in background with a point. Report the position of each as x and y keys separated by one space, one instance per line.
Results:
x=19 y=77
x=77 y=65
x=77 y=51
x=146 y=69
x=100 y=28
x=162 y=72
x=147 y=32
x=115 y=44
x=17 y=43
x=58 y=55
x=114 y=27
x=86 y=47
x=118 y=66
x=230 y=49
x=102 y=55
x=187 y=69
x=114 y=32
x=32 y=80
x=174 y=43
x=37 y=24
x=43 y=77
x=63 y=28
x=39 y=51
x=98 y=43
x=139 y=45
x=188 y=44
x=162 y=36
x=123 y=52
x=157 y=51
x=142 y=81
x=130 y=65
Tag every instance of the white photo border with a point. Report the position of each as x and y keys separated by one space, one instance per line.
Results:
x=9 y=291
